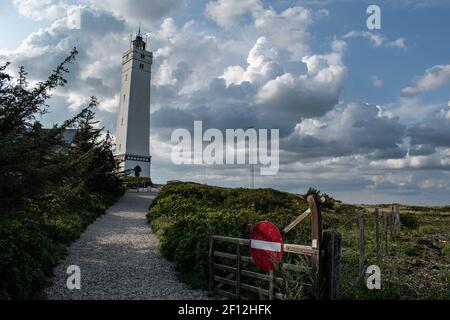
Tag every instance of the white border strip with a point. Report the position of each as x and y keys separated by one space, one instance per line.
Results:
x=265 y=245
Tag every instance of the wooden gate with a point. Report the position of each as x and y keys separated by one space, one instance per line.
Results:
x=319 y=253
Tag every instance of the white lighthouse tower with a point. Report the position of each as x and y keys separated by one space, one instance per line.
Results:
x=133 y=119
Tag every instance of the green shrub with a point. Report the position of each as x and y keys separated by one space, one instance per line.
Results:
x=134 y=182
x=446 y=250
x=28 y=256
x=50 y=190
x=34 y=241
x=429 y=229
x=182 y=212
x=409 y=220
x=413 y=250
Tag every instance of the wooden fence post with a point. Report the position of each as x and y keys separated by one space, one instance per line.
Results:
x=316 y=235
x=331 y=264
x=271 y=285
x=211 y=232
x=377 y=235
x=391 y=225
x=361 y=243
x=238 y=272
x=385 y=232
x=396 y=213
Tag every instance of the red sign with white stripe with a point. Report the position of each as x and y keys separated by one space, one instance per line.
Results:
x=266 y=245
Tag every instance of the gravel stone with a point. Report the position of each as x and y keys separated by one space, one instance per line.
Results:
x=119 y=259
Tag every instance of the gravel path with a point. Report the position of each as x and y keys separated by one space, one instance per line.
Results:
x=119 y=259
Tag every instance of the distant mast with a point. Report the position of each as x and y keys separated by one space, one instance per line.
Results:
x=133 y=118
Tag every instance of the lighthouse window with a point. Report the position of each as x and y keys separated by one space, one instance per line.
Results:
x=143 y=56
x=123 y=97
x=126 y=77
x=121 y=122
x=141 y=66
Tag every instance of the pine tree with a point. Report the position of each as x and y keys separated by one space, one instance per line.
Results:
x=34 y=160
x=28 y=152
x=92 y=155
x=50 y=190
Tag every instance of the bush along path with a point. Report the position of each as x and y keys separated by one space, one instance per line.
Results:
x=118 y=258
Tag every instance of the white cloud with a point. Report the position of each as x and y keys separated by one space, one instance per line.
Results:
x=134 y=11
x=285 y=29
x=162 y=52
x=76 y=101
x=434 y=184
x=41 y=9
x=227 y=13
x=311 y=94
x=233 y=75
x=164 y=75
x=376 y=82
x=190 y=54
x=399 y=43
x=353 y=128
x=261 y=65
x=434 y=131
x=110 y=105
x=439 y=160
x=338 y=45
x=411 y=108
x=377 y=39
x=99 y=42
x=434 y=77
x=258 y=91
x=310 y=127
x=266 y=75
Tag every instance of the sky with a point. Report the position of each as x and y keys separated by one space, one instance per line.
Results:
x=364 y=115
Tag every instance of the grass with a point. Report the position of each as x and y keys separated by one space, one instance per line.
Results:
x=134 y=182
x=415 y=266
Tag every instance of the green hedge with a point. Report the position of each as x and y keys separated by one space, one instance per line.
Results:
x=182 y=212
x=134 y=182
x=50 y=189
x=32 y=242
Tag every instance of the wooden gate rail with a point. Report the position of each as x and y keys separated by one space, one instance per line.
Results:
x=313 y=251
x=288 y=248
